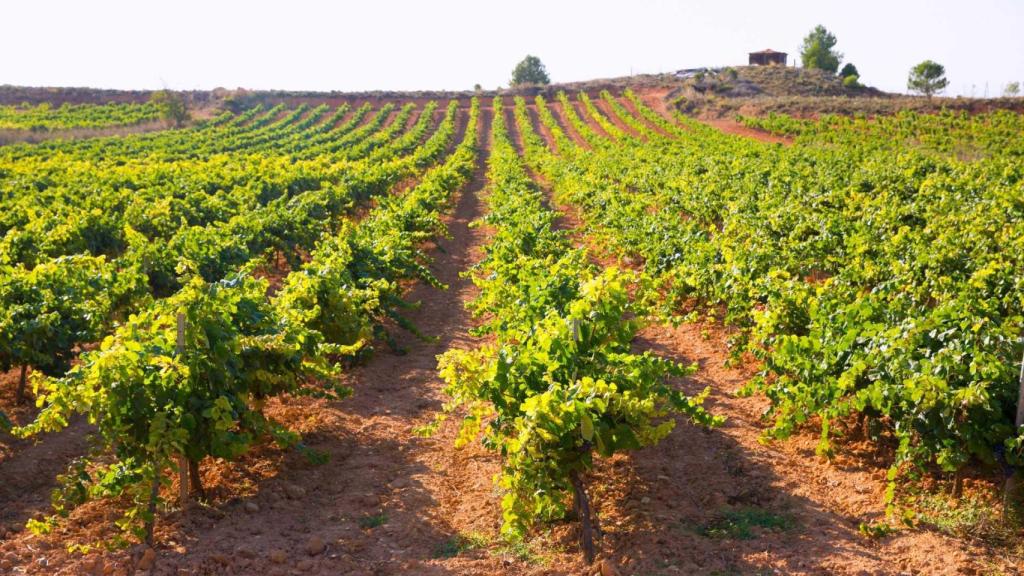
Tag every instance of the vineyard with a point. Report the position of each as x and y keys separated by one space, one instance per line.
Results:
x=45 y=117
x=564 y=333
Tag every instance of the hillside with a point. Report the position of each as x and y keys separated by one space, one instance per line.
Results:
x=705 y=93
x=323 y=253
x=759 y=90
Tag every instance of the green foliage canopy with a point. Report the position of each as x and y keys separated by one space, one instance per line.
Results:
x=172 y=106
x=817 y=51
x=927 y=78
x=848 y=70
x=530 y=71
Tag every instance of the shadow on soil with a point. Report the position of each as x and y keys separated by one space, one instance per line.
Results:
x=703 y=503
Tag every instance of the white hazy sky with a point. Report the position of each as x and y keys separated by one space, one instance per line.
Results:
x=453 y=44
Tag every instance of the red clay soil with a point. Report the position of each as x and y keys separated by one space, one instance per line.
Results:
x=733 y=127
x=352 y=112
x=612 y=117
x=517 y=137
x=581 y=111
x=388 y=120
x=680 y=491
x=656 y=100
x=352 y=108
x=558 y=112
x=541 y=129
x=631 y=107
x=28 y=469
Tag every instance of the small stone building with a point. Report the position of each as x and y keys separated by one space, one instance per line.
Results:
x=768 y=57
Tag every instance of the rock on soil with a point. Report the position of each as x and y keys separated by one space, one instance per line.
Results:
x=315 y=546
x=147 y=560
x=294 y=492
x=277 y=556
x=606 y=568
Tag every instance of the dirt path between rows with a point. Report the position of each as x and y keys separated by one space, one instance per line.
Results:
x=581 y=111
x=686 y=505
x=612 y=117
x=558 y=111
x=386 y=501
x=655 y=99
x=733 y=127
x=631 y=107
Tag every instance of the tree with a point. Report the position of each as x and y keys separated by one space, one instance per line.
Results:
x=927 y=78
x=172 y=107
x=817 y=50
x=848 y=70
x=1012 y=89
x=530 y=71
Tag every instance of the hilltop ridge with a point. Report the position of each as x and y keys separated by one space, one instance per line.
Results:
x=703 y=92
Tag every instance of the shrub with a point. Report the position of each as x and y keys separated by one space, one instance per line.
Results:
x=172 y=106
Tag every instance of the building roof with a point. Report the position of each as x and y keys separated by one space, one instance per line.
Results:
x=768 y=51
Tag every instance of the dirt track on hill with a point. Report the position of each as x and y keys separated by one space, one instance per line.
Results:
x=734 y=127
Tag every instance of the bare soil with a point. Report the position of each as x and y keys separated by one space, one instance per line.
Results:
x=657 y=100
x=610 y=114
x=589 y=120
x=558 y=111
x=733 y=127
x=636 y=114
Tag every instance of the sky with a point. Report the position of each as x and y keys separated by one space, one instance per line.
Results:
x=454 y=44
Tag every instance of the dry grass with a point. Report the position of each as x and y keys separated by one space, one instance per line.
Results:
x=758 y=90
x=814 y=106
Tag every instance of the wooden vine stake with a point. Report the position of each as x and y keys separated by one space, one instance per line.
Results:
x=183 y=464
x=19 y=397
x=1020 y=394
x=1011 y=494
x=154 y=493
x=582 y=504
